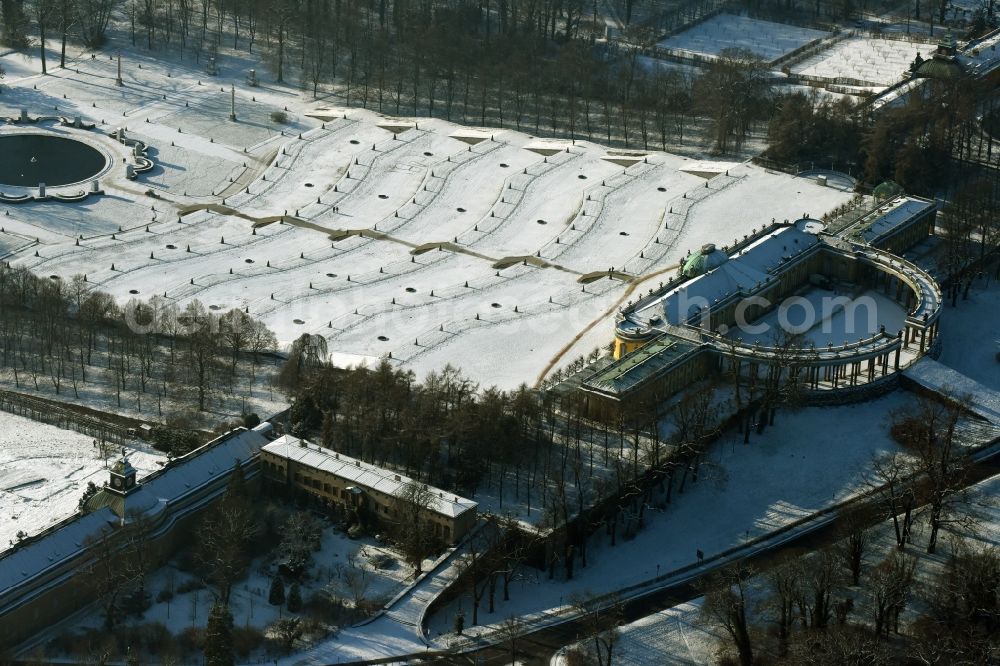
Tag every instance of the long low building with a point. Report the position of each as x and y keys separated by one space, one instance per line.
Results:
x=59 y=571
x=341 y=482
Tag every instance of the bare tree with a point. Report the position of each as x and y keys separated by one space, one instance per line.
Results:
x=602 y=618
x=44 y=13
x=479 y=564
x=961 y=622
x=928 y=431
x=202 y=348
x=726 y=607
x=696 y=418
x=890 y=482
x=300 y=538
x=262 y=339
x=287 y=630
x=850 y=548
x=14 y=22
x=783 y=582
x=237 y=330
x=358 y=581
x=413 y=530
x=308 y=353
x=109 y=579
x=95 y=15
x=821 y=576
x=840 y=645
x=225 y=537
x=734 y=92
x=67 y=18
x=889 y=586
x=511 y=631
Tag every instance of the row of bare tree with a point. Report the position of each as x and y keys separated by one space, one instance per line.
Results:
x=66 y=337
x=524 y=65
x=817 y=609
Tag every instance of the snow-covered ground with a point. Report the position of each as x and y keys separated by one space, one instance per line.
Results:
x=970 y=333
x=679 y=636
x=44 y=471
x=675 y=636
x=725 y=31
x=261 y=397
x=456 y=211
x=877 y=61
x=345 y=567
x=827 y=320
x=963 y=11
x=820 y=454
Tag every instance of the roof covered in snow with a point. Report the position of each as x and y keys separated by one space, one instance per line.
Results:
x=65 y=541
x=945 y=380
x=981 y=56
x=897 y=95
x=361 y=473
x=888 y=218
x=205 y=464
x=635 y=368
x=744 y=273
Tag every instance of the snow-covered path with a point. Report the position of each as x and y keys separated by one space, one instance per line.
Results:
x=941 y=379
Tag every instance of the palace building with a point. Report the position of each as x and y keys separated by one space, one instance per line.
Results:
x=337 y=481
x=700 y=322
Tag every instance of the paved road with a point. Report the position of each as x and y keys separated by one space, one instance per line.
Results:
x=538 y=647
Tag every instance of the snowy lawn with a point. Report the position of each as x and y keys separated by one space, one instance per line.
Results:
x=465 y=302
x=879 y=61
x=679 y=636
x=675 y=636
x=458 y=207
x=44 y=471
x=725 y=31
x=347 y=568
x=830 y=323
x=970 y=334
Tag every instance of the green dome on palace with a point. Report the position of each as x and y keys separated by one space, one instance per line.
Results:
x=937 y=68
x=886 y=190
x=704 y=260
